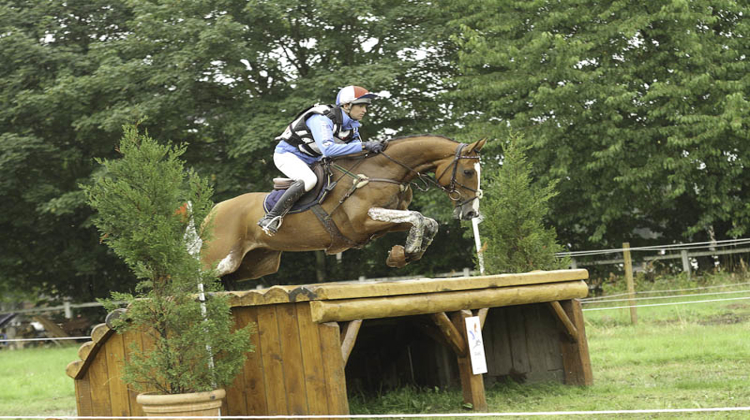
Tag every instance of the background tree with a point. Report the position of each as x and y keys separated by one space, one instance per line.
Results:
x=515 y=212
x=222 y=77
x=640 y=109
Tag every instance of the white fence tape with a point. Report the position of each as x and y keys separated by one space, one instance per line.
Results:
x=665 y=304
x=421 y=416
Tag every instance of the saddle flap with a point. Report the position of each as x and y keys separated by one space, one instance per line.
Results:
x=316 y=195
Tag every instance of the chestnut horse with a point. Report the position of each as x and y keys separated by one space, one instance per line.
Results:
x=370 y=198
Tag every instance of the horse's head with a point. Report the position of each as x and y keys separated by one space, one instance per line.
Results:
x=459 y=177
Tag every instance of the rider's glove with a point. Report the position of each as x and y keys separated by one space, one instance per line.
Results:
x=373 y=146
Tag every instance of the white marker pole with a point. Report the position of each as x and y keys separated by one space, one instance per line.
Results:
x=478 y=243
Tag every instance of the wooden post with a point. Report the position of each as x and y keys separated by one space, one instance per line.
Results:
x=559 y=312
x=348 y=338
x=472 y=385
x=576 y=360
x=685 y=262
x=629 y=280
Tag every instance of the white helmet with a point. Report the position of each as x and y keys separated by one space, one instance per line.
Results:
x=354 y=95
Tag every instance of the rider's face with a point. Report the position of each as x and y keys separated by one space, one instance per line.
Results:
x=357 y=111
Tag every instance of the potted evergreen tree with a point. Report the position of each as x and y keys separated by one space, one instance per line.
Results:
x=147 y=204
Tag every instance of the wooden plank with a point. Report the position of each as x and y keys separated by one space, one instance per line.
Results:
x=385 y=307
x=85 y=350
x=73 y=368
x=542 y=337
x=131 y=340
x=567 y=324
x=349 y=338
x=333 y=368
x=118 y=392
x=576 y=360
x=100 y=332
x=315 y=384
x=518 y=345
x=351 y=290
x=84 y=404
x=88 y=351
x=254 y=388
x=273 y=368
x=99 y=380
x=452 y=336
x=291 y=356
x=234 y=404
x=471 y=385
x=499 y=356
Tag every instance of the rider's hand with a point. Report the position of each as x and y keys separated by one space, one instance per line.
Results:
x=373 y=146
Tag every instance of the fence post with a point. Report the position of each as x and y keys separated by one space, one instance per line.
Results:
x=67 y=309
x=629 y=280
x=685 y=262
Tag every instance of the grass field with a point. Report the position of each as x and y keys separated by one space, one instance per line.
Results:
x=684 y=356
x=34 y=382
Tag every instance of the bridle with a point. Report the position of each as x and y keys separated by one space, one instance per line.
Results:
x=453 y=186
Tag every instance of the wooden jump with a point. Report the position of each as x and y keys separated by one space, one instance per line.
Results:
x=312 y=340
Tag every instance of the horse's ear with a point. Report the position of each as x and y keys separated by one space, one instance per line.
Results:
x=477 y=146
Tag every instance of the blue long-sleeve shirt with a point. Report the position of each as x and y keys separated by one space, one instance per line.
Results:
x=321 y=128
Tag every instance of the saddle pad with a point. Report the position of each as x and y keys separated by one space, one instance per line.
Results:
x=308 y=200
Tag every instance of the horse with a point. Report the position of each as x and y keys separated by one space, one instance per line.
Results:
x=370 y=198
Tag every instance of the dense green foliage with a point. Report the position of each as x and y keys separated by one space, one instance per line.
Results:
x=142 y=214
x=223 y=77
x=640 y=110
x=515 y=210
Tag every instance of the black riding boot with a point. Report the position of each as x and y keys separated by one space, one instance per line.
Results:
x=271 y=222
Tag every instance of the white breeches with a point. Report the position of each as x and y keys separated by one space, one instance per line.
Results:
x=294 y=168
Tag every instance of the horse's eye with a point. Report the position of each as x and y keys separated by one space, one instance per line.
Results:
x=468 y=172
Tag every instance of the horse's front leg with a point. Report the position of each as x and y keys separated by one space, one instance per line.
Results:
x=420 y=236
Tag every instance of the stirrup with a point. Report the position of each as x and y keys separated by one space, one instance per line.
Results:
x=270 y=226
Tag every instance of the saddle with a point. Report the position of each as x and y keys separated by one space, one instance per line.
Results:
x=311 y=198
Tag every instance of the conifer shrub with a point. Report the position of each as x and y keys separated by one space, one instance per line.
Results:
x=146 y=205
x=514 y=209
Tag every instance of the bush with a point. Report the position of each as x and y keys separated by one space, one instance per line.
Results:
x=146 y=204
x=514 y=210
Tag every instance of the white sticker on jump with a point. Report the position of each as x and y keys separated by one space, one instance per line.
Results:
x=476 y=345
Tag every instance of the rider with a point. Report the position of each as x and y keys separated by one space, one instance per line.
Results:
x=317 y=132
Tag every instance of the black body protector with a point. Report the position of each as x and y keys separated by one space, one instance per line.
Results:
x=298 y=135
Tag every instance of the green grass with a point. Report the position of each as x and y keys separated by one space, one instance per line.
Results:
x=34 y=382
x=675 y=357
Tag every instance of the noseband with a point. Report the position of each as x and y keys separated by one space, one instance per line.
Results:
x=451 y=188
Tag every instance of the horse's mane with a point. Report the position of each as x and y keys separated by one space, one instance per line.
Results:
x=419 y=135
x=394 y=139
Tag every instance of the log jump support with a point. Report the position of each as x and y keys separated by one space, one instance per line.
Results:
x=315 y=341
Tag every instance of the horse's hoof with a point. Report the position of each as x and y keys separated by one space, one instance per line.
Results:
x=396 y=257
x=113 y=316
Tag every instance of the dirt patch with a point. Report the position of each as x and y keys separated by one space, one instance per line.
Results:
x=725 y=319
x=738 y=306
